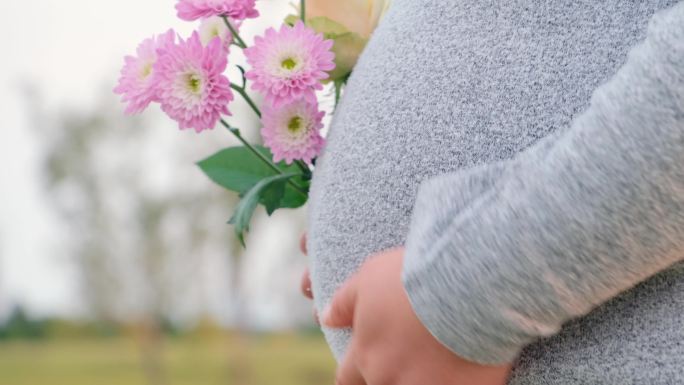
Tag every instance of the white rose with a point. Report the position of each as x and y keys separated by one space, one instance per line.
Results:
x=349 y=23
x=359 y=16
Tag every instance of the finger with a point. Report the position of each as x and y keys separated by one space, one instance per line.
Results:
x=340 y=311
x=305 y=285
x=302 y=244
x=348 y=373
x=315 y=316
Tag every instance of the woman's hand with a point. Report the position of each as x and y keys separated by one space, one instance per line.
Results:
x=305 y=284
x=389 y=344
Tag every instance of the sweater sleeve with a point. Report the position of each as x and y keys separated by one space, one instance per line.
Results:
x=502 y=254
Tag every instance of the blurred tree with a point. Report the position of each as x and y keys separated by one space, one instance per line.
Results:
x=146 y=230
x=138 y=228
x=20 y=325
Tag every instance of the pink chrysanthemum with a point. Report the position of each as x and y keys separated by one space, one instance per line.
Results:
x=289 y=64
x=191 y=10
x=293 y=131
x=214 y=26
x=192 y=87
x=136 y=84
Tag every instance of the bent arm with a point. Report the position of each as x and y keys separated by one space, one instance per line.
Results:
x=500 y=255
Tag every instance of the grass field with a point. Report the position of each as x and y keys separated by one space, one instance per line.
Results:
x=261 y=360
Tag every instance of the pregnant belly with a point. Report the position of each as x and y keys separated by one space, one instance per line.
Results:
x=405 y=118
x=636 y=338
x=355 y=210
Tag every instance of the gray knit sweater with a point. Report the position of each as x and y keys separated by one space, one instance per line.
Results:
x=562 y=252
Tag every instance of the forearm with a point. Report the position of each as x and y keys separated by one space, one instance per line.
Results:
x=498 y=256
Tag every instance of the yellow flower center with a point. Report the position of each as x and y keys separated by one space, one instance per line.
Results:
x=289 y=63
x=194 y=83
x=146 y=70
x=295 y=125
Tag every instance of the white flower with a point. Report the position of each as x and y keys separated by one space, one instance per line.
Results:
x=349 y=23
x=358 y=16
x=214 y=26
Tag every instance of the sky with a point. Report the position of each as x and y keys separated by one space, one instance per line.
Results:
x=70 y=50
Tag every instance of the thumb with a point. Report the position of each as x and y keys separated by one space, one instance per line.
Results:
x=340 y=312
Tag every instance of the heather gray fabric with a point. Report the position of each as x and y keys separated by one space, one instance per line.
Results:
x=506 y=244
x=502 y=254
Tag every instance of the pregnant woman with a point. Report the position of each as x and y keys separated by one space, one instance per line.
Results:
x=524 y=162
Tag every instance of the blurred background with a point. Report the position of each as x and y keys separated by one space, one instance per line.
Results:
x=116 y=262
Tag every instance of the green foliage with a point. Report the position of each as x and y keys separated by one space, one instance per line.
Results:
x=269 y=191
x=235 y=168
x=238 y=169
x=272 y=194
x=291 y=20
x=20 y=326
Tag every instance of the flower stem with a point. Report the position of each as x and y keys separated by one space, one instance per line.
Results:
x=338 y=92
x=302 y=8
x=236 y=36
x=260 y=155
x=304 y=167
x=243 y=93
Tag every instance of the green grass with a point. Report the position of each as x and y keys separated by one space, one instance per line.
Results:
x=265 y=360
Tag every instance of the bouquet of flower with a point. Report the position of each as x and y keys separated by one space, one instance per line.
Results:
x=186 y=76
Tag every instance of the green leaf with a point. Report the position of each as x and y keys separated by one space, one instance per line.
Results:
x=328 y=27
x=293 y=198
x=238 y=169
x=347 y=49
x=272 y=196
x=245 y=208
x=291 y=20
x=235 y=168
